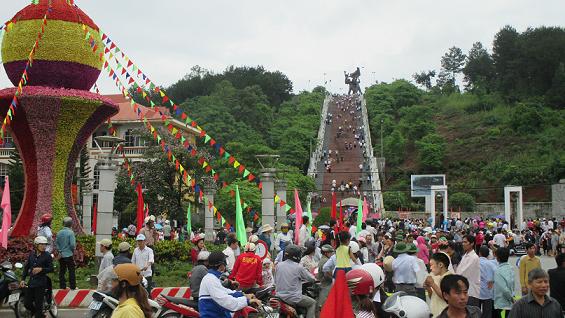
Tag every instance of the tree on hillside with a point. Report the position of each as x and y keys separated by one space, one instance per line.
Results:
x=479 y=69
x=431 y=150
x=453 y=61
x=424 y=78
x=555 y=96
x=505 y=54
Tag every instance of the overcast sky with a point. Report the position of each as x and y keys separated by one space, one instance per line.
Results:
x=302 y=38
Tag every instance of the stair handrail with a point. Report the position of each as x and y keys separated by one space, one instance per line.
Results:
x=316 y=155
x=376 y=193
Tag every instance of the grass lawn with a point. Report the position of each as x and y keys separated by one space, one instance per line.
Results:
x=169 y=274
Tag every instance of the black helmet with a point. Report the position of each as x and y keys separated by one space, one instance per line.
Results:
x=293 y=253
x=216 y=259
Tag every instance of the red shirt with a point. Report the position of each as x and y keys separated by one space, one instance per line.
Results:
x=247 y=270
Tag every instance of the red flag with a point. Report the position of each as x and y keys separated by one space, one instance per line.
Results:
x=340 y=221
x=298 y=221
x=333 y=206
x=140 y=207
x=338 y=304
x=94 y=215
x=7 y=214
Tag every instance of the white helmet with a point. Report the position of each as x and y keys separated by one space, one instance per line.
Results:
x=354 y=246
x=405 y=306
x=376 y=272
x=40 y=240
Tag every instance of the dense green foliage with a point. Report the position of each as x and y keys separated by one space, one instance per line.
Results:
x=247 y=110
x=507 y=127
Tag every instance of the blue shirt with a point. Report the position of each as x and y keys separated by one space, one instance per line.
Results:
x=66 y=242
x=504 y=286
x=487 y=275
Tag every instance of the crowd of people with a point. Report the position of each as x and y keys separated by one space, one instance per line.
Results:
x=460 y=270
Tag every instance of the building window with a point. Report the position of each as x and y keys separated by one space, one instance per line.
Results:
x=133 y=139
x=4 y=170
x=8 y=141
x=96 y=177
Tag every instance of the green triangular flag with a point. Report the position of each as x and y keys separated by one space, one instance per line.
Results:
x=188 y=220
x=309 y=214
x=239 y=224
x=246 y=173
x=359 y=215
x=207 y=138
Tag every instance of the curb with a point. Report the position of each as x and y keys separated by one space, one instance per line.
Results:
x=66 y=298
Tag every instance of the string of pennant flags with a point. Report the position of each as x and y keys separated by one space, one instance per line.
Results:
x=171 y=157
x=172 y=130
x=111 y=49
x=25 y=77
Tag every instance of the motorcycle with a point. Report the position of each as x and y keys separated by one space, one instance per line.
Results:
x=17 y=300
x=103 y=305
x=8 y=281
x=278 y=308
x=177 y=307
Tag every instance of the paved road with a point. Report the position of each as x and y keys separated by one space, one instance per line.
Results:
x=63 y=313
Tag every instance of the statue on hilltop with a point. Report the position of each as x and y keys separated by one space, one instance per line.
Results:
x=353 y=81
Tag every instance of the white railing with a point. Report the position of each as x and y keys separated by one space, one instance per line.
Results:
x=376 y=193
x=316 y=155
x=128 y=151
x=6 y=152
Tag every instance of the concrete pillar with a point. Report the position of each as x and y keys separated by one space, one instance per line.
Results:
x=105 y=216
x=280 y=190
x=87 y=211
x=432 y=198
x=558 y=199
x=508 y=190
x=268 y=196
x=209 y=192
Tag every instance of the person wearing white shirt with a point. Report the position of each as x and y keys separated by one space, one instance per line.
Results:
x=230 y=252
x=143 y=258
x=284 y=237
x=470 y=267
x=303 y=234
x=405 y=268
x=499 y=239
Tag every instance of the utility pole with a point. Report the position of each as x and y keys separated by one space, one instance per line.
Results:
x=382 y=147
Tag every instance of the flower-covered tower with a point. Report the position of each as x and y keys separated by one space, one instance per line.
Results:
x=55 y=113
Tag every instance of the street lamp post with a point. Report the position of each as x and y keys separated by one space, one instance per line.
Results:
x=382 y=147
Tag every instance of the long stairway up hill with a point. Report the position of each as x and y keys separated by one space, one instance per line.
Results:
x=343 y=162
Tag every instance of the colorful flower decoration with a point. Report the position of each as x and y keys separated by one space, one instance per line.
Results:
x=63 y=59
x=51 y=127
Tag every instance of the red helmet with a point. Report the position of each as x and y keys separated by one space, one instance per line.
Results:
x=360 y=282
x=45 y=218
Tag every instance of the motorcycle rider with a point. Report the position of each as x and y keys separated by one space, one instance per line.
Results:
x=44 y=230
x=248 y=269
x=284 y=237
x=39 y=263
x=131 y=294
x=216 y=301
x=198 y=272
x=289 y=278
x=325 y=279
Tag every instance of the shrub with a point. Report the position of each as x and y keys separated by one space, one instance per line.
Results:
x=323 y=217
x=463 y=201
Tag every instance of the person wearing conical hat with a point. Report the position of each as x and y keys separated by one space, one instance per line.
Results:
x=405 y=268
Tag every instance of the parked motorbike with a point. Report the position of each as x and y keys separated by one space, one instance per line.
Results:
x=8 y=282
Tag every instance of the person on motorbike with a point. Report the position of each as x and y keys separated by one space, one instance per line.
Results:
x=197 y=274
x=284 y=237
x=289 y=276
x=248 y=269
x=325 y=279
x=44 y=230
x=39 y=263
x=216 y=301
x=130 y=293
